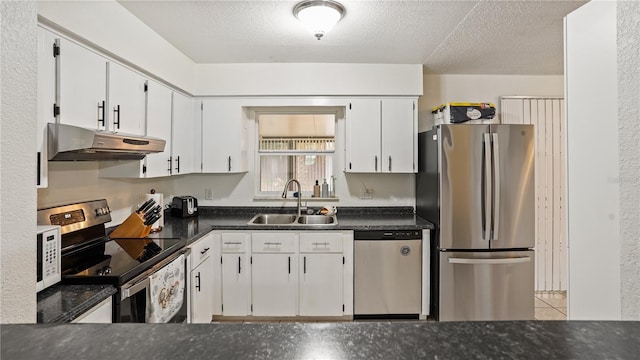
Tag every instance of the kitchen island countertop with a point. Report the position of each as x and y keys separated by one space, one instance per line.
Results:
x=349 y=340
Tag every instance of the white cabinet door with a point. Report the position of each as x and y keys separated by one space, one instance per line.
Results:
x=159 y=126
x=126 y=100
x=82 y=86
x=274 y=284
x=321 y=285
x=223 y=136
x=46 y=100
x=183 y=135
x=202 y=292
x=363 y=136
x=99 y=314
x=235 y=284
x=399 y=135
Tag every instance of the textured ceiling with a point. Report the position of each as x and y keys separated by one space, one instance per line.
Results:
x=447 y=37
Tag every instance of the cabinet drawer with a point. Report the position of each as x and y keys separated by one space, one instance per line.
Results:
x=273 y=242
x=234 y=242
x=324 y=242
x=201 y=249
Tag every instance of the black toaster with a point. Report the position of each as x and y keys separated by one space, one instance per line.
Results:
x=184 y=206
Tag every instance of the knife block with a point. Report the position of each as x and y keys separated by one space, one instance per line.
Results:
x=132 y=227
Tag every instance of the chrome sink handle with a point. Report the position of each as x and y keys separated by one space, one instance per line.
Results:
x=284 y=194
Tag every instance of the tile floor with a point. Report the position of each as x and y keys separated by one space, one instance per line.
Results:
x=551 y=305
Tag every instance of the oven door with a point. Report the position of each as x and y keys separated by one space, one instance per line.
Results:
x=133 y=304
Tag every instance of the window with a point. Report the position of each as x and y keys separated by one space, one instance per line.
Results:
x=299 y=146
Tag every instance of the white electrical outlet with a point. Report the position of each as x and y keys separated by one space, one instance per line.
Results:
x=208 y=194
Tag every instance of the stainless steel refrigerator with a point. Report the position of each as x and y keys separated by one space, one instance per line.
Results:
x=476 y=184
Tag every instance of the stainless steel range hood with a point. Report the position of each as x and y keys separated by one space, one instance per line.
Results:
x=68 y=142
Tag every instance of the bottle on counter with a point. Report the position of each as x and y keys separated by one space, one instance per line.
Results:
x=325 y=189
x=316 y=189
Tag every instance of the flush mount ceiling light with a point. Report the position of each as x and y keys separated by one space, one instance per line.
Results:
x=319 y=16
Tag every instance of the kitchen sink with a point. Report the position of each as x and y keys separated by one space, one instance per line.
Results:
x=273 y=219
x=293 y=220
x=317 y=220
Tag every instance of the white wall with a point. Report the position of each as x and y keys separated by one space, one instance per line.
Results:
x=629 y=151
x=593 y=177
x=79 y=181
x=440 y=89
x=109 y=26
x=308 y=79
x=18 y=163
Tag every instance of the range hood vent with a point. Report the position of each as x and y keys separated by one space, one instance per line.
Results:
x=74 y=143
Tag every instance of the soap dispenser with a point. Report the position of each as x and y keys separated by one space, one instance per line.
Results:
x=325 y=189
x=316 y=189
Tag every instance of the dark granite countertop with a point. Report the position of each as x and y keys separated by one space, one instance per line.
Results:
x=236 y=218
x=63 y=303
x=351 y=340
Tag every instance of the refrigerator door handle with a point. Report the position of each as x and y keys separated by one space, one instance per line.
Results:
x=496 y=188
x=486 y=199
x=496 y=261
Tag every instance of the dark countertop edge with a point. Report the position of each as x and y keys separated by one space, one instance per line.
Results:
x=351 y=210
x=82 y=307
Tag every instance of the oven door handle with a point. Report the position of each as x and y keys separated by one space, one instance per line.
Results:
x=142 y=280
x=133 y=289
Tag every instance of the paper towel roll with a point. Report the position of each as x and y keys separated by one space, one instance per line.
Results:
x=158 y=198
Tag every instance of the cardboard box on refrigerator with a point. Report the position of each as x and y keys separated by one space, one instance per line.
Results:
x=462 y=112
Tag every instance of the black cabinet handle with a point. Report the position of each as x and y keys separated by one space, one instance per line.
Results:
x=304 y=267
x=376 y=163
x=229 y=163
x=116 y=113
x=178 y=164
x=239 y=267
x=101 y=110
x=198 y=281
x=389 y=163
x=204 y=251
x=170 y=161
x=289 y=264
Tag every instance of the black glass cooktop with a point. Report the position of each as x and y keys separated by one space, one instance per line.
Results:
x=115 y=261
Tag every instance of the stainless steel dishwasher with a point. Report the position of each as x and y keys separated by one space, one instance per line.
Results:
x=387 y=274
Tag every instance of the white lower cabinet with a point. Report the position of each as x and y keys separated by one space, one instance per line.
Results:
x=235 y=279
x=322 y=274
x=99 y=314
x=202 y=292
x=321 y=285
x=289 y=273
x=201 y=280
x=274 y=276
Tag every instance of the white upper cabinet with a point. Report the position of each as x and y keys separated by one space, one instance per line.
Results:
x=223 y=136
x=185 y=129
x=381 y=136
x=82 y=86
x=126 y=100
x=159 y=126
x=363 y=136
x=46 y=99
x=399 y=136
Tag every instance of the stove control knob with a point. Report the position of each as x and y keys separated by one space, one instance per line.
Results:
x=100 y=272
x=107 y=270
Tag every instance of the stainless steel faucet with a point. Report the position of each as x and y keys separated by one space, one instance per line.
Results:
x=284 y=192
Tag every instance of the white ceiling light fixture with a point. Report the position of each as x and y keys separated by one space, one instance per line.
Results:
x=319 y=16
